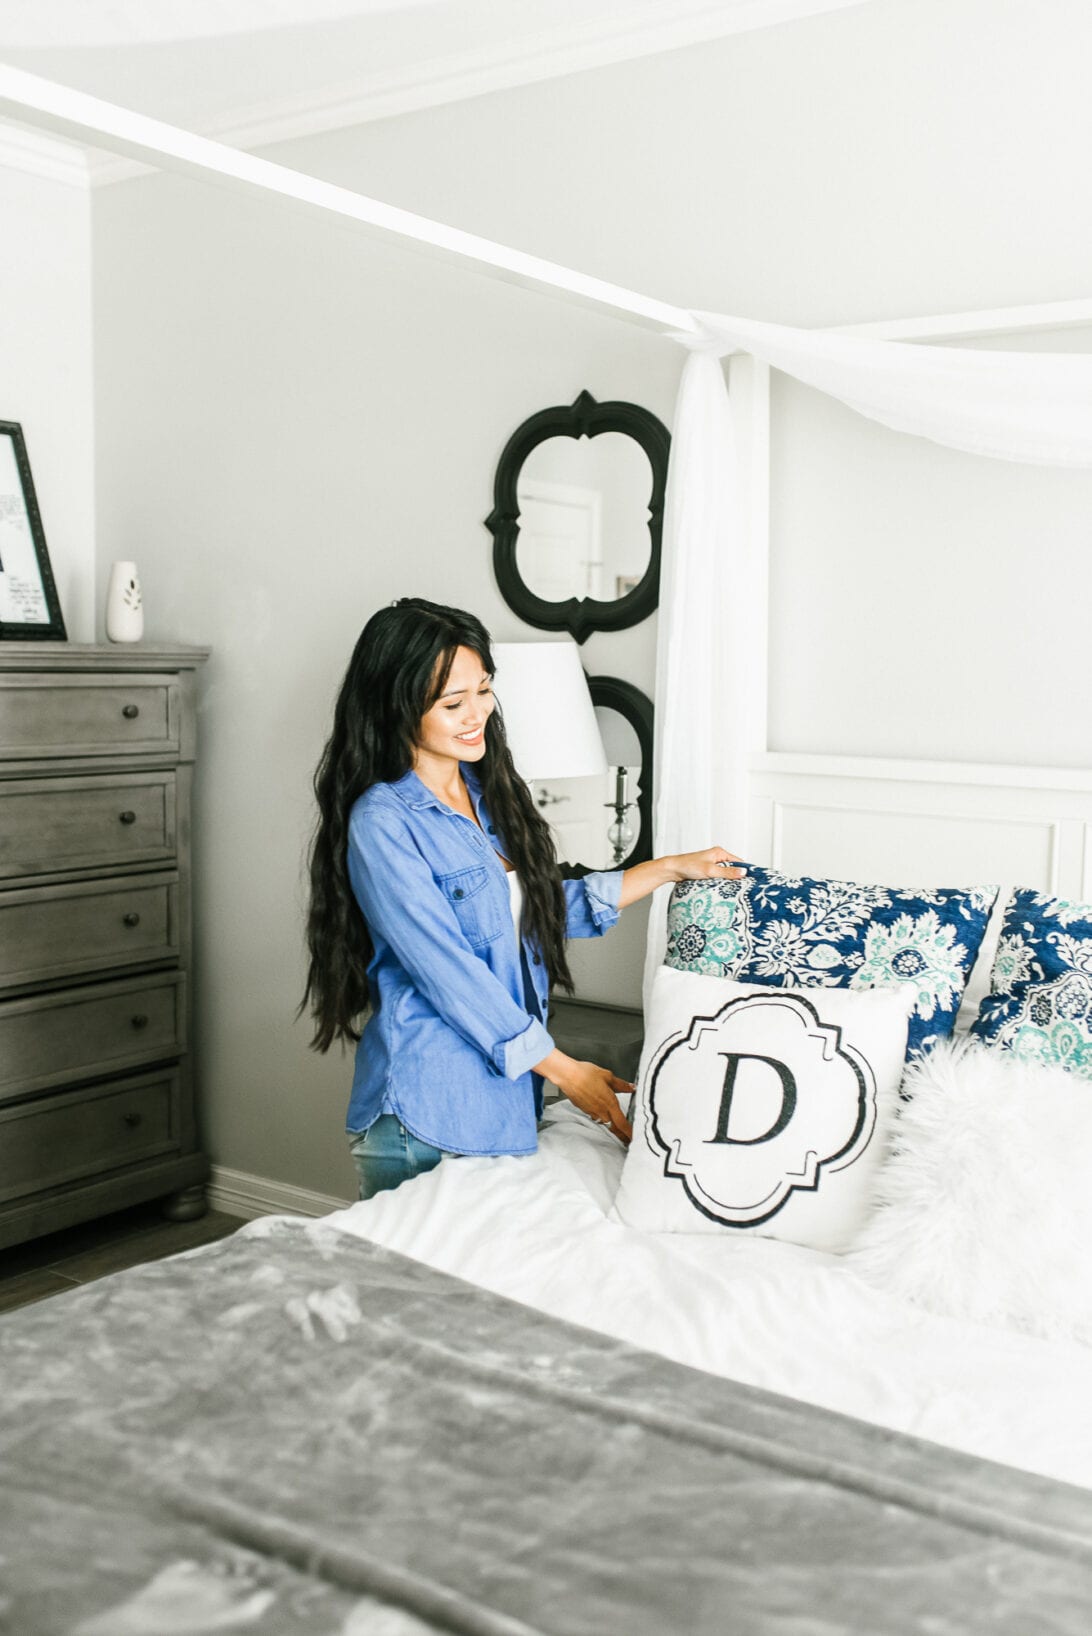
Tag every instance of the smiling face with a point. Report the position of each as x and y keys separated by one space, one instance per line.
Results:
x=454 y=729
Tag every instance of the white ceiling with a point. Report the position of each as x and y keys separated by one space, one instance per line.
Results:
x=254 y=71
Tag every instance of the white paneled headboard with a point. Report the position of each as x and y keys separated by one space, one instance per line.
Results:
x=917 y=823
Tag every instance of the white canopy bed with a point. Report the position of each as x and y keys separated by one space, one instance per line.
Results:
x=786 y=1318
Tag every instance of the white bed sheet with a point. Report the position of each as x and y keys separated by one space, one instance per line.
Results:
x=790 y=1320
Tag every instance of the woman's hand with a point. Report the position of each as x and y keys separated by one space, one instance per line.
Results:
x=712 y=864
x=594 y=1090
x=715 y=863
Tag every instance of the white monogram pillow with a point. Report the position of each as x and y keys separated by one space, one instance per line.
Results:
x=763 y=1110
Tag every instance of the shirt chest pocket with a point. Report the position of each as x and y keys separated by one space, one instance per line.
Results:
x=477 y=909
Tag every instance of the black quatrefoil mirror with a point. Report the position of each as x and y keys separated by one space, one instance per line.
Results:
x=576 y=524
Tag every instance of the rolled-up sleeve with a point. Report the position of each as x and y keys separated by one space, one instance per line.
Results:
x=591 y=903
x=403 y=904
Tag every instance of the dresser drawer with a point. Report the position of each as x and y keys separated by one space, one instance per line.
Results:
x=53 y=1039
x=81 y=715
x=65 y=931
x=67 y=1137
x=53 y=825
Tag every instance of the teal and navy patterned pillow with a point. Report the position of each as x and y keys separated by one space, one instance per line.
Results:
x=1040 y=999
x=788 y=930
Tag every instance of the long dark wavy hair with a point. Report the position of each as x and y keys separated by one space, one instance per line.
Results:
x=398 y=670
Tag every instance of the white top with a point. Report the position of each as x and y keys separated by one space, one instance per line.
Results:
x=515 y=897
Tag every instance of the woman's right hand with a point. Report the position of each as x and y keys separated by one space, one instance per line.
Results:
x=594 y=1090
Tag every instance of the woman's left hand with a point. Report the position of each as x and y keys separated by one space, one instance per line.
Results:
x=715 y=863
x=712 y=864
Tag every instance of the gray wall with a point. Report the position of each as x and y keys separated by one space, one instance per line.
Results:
x=295 y=425
x=45 y=368
x=926 y=603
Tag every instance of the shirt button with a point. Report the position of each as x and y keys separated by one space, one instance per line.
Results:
x=538 y=960
x=458 y=892
x=492 y=831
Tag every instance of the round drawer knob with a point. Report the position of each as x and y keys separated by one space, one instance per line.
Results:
x=131 y=919
x=127 y=817
x=139 y=1021
x=131 y=1119
x=131 y=712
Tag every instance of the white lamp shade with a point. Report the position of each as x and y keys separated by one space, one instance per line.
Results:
x=548 y=713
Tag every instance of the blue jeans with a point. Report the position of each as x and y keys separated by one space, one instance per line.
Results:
x=387 y=1153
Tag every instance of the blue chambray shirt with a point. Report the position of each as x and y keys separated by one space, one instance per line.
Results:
x=457 y=1007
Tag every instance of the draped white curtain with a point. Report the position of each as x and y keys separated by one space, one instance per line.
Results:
x=1021 y=406
x=1034 y=407
x=698 y=661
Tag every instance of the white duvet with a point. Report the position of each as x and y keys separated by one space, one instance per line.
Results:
x=791 y=1320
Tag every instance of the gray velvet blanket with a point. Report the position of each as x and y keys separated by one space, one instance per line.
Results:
x=294 y=1431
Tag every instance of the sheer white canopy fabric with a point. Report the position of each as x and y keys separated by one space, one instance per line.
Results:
x=1019 y=406
x=1034 y=407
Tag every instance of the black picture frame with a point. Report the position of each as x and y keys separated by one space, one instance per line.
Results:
x=584 y=417
x=26 y=575
x=611 y=693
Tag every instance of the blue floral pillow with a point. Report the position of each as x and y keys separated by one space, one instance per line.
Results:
x=787 y=930
x=1040 y=1000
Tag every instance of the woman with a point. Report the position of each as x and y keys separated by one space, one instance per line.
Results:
x=436 y=901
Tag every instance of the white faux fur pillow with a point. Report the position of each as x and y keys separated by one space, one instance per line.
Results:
x=985 y=1204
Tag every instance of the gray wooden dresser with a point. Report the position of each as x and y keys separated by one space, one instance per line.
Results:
x=96 y=1083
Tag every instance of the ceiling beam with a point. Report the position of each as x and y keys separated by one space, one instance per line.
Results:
x=83 y=118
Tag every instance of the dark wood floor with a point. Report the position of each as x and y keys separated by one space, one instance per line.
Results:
x=79 y=1255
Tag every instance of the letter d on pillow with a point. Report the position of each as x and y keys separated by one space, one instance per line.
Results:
x=763 y=1110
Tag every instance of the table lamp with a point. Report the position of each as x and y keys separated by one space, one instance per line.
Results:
x=548 y=712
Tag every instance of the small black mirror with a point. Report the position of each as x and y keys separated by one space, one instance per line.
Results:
x=606 y=822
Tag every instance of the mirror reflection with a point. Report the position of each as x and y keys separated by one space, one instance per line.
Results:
x=595 y=820
x=583 y=517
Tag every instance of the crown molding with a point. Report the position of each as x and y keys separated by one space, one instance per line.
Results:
x=39 y=155
x=459 y=76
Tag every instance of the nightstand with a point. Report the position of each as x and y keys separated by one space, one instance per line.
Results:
x=609 y=1035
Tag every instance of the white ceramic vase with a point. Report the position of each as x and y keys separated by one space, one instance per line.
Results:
x=124 y=609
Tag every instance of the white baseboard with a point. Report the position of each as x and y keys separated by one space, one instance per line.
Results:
x=238 y=1194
